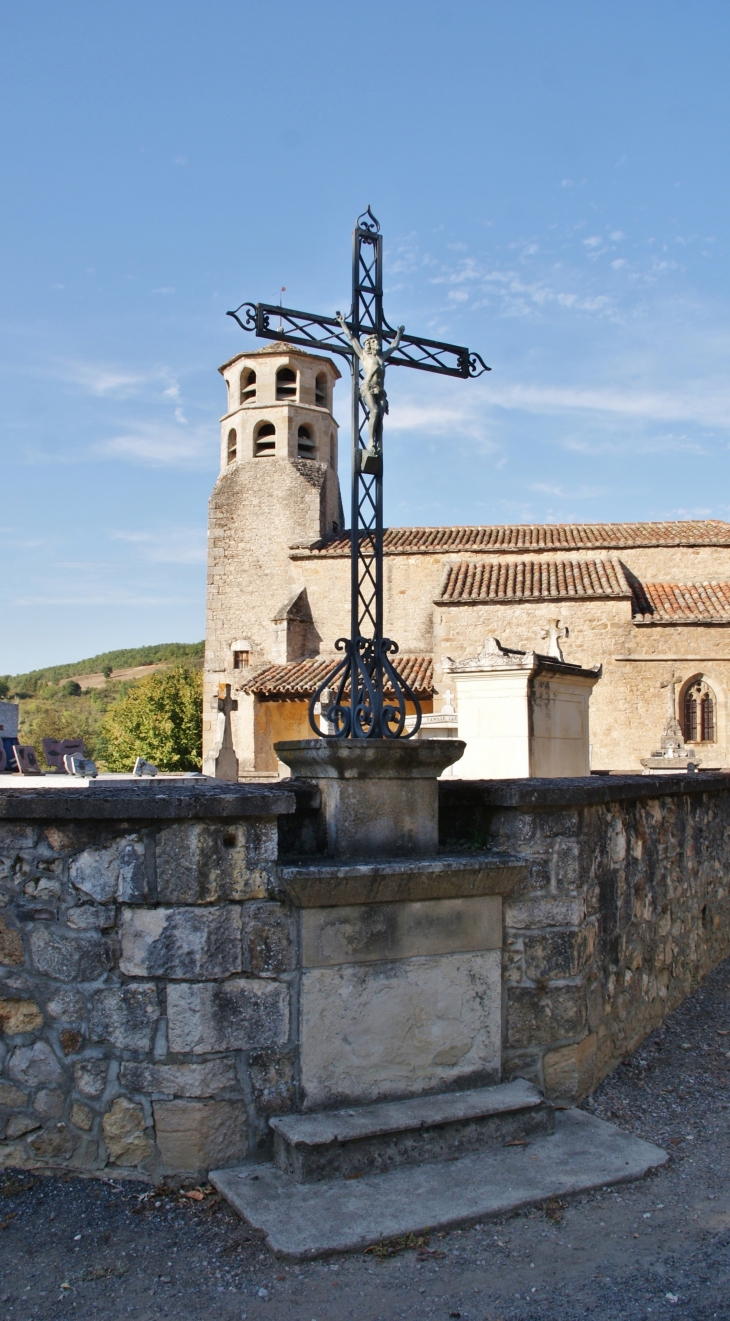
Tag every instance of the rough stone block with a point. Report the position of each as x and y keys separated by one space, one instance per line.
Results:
x=82 y=1116
x=539 y=1017
x=68 y=1004
x=10 y=1096
x=200 y=1135
x=181 y=942
x=126 y=1016
x=123 y=1129
x=199 y=862
x=187 y=1080
x=238 y=1014
x=272 y=1081
x=91 y=917
x=267 y=937
x=569 y=1071
x=11 y=945
x=114 y=872
x=18 y=1125
x=400 y=1028
x=49 y=1103
x=558 y=954
x=566 y=865
x=91 y=1075
x=69 y=958
x=544 y=911
x=18 y=1016
x=370 y=933
x=71 y=1041
x=33 y=1065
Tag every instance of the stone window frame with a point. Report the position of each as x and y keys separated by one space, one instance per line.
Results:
x=262 y=431
x=306 y=441
x=232 y=445
x=698 y=710
x=287 y=389
x=247 y=386
x=321 y=390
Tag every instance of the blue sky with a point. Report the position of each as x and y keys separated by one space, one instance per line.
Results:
x=552 y=183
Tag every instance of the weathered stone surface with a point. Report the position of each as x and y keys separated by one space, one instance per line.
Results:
x=91 y=1076
x=124 y=1136
x=18 y=1016
x=207 y=862
x=91 y=917
x=544 y=911
x=49 y=1103
x=569 y=1071
x=376 y=932
x=400 y=1028
x=71 y=1041
x=68 y=1004
x=237 y=1014
x=82 y=1116
x=186 y=1080
x=267 y=936
x=558 y=954
x=11 y=945
x=12 y=1096
x=181 y=942
x=126 y=1016
x=17 y=1125
x=116 y=871
x=272 y=1081
x=544 y=1016
x=69 y=958
x=33 y=1065
x=54 y=1143
x=199 y=1135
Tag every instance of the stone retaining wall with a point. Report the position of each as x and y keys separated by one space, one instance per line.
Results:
x=625 y=908
x=145 y=976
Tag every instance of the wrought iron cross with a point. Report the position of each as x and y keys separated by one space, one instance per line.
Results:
x=367 y=696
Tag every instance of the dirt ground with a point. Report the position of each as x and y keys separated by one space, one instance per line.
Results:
x=659 y=1248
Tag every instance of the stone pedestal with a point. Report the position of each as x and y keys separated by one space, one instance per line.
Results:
x=379 y=796
x=522 y=714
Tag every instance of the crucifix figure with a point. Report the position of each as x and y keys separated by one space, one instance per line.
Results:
x=363 y=695
x=372 y=386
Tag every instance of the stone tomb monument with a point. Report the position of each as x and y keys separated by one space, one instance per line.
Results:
x=522 y=714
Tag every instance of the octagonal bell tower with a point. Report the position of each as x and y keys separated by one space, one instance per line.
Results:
x=277 y=488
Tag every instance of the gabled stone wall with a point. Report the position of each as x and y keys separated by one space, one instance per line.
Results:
x=624 y=909
x=145 y=976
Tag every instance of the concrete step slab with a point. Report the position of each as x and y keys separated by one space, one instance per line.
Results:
x=302 y=1221
x=376 y=1138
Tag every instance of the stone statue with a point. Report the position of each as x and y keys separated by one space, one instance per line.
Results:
x=372 y=387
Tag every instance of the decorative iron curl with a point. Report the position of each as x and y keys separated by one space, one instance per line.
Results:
x=367 y=715
x=372 y=226
x=477 y=365
x=250 y=310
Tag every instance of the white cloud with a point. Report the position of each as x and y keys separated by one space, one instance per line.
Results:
x=115 y=382
x=161 y=445
x=176 y=545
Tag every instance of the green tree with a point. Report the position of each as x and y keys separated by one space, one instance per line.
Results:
x=160 y=719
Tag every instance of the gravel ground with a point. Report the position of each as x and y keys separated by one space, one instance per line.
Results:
x=659 y=1248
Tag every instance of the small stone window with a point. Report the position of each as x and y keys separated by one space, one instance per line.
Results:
x=232 y=446
x=305 y=444
x=241 y=660
x=248 y=385
x=699 y=722
x=320 y=390
x=265 y=440
x=286 y=383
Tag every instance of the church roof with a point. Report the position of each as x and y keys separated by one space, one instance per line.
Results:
x=681 y=603
x=299 y=679
x=535 y=537
x=483 y=582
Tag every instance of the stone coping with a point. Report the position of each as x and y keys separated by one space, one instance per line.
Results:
x=138 y=800
x=369 y=759
x=329 y=884
x=581 y=791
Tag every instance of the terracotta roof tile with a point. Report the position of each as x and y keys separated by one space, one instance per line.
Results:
x=480 y=582
x=678 y=603
x=300 y=678
x=536 y=537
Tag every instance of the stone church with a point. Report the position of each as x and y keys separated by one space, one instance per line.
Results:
x=647 y=602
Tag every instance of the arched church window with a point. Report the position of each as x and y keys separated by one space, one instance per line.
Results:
x=699 y=720
x=248 y=385
x=305 y=443
x=333 y=451
x=232 y=445
x=320 y=390
x=265 y=439
x=286 y=383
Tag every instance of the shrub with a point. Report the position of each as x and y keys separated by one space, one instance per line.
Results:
x=160 y=719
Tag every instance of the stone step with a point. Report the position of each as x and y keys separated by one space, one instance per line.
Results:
x=302 y=1221
x=371 y=1139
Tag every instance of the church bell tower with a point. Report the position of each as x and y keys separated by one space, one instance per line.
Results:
x=277 y=488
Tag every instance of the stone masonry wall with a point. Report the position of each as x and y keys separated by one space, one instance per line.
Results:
x=625 y=908
x=145 y=997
